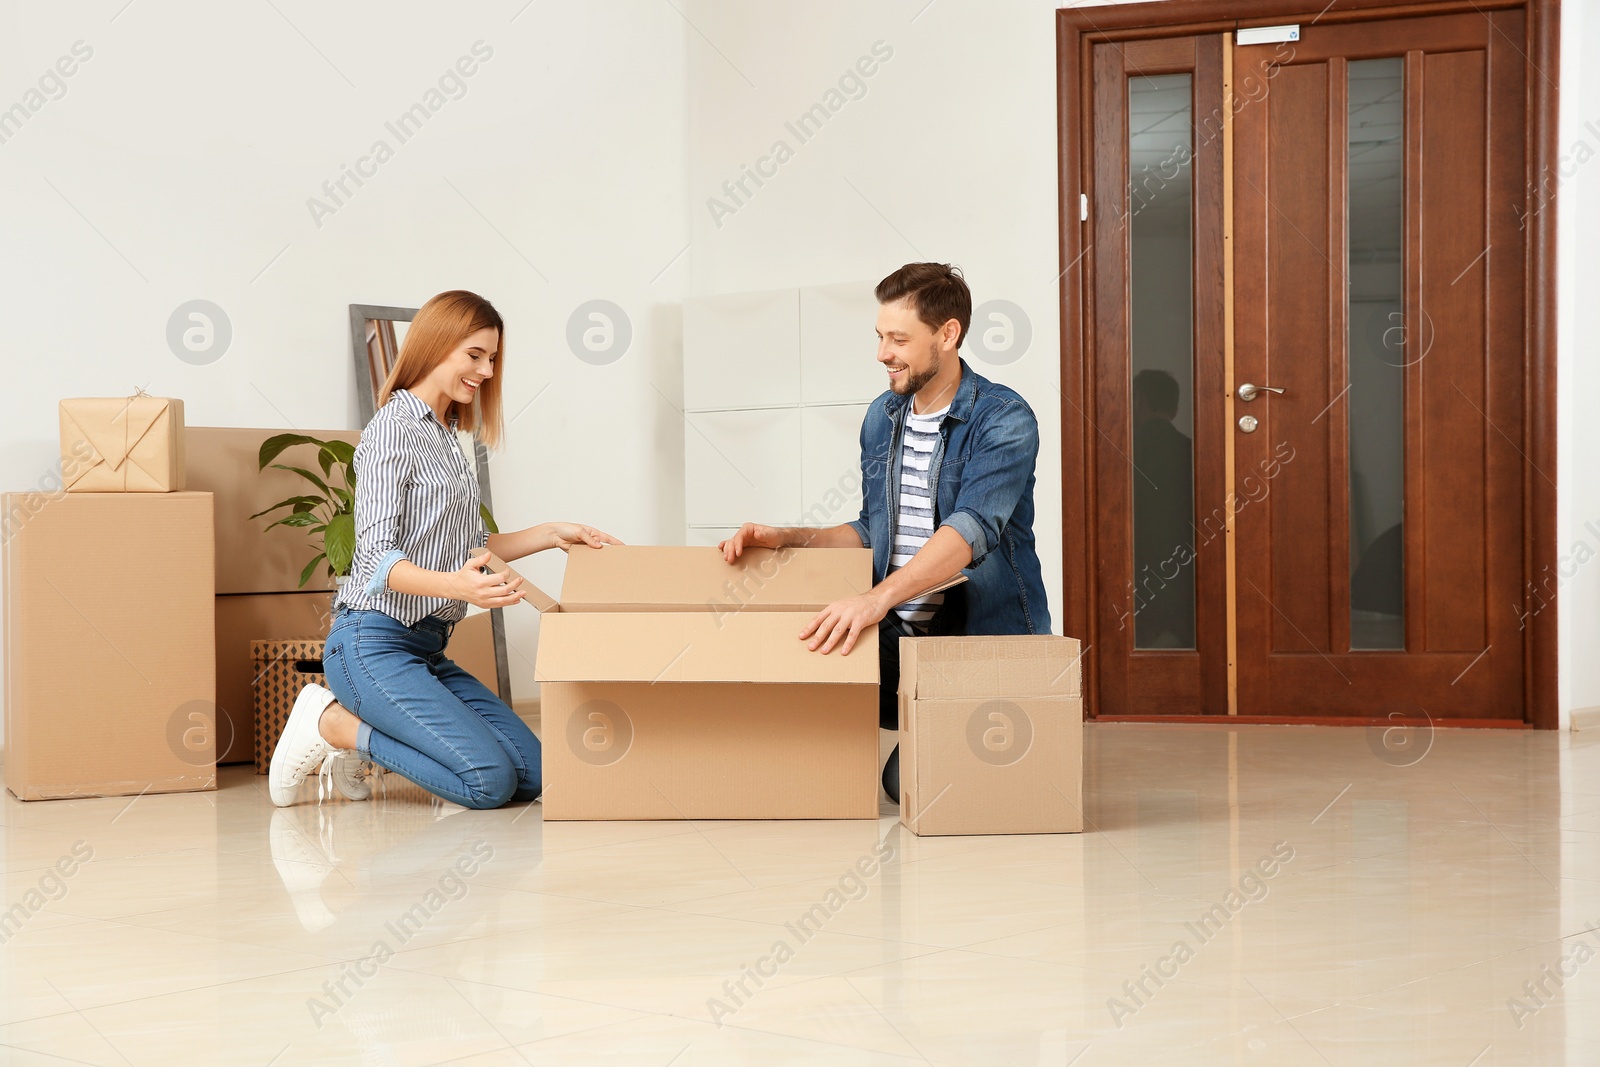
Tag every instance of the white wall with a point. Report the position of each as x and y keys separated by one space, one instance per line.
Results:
x=948 y=154
x=178 y=165
x=1578 y=371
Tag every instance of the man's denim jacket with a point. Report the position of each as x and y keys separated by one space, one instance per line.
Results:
x=981 y=481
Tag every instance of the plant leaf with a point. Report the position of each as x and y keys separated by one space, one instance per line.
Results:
x=325 y=458
x=299 y=518
x=339 y=541
x=272 y=446
x=342 y=451
x=308 y=501
x=312 y=478
x=488 y=519
x=305 y=575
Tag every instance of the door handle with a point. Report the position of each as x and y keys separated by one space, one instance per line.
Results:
x=1248 y=392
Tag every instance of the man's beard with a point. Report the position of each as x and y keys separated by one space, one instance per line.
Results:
x=914 y=383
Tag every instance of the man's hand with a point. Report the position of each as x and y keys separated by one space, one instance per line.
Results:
x=843 y=620
x=751 y=535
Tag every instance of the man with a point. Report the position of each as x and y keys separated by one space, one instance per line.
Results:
x=947 y=461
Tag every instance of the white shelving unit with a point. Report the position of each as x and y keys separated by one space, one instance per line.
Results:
x=775 y=385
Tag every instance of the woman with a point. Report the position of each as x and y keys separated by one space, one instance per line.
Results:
x=420 y=551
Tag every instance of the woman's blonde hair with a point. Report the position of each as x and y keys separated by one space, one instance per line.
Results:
x=440 y=326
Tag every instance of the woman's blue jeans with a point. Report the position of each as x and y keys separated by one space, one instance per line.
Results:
x=425 y=718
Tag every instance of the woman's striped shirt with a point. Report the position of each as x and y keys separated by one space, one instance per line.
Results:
x=416 y=499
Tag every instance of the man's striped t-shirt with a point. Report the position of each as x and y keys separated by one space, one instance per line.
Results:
x=915 y=523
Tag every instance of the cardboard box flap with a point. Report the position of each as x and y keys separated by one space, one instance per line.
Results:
x=1020 y=667
x=630 y=578
x=532 y=594
x=751 y=646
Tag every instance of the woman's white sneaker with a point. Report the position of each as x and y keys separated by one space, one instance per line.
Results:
x=301 y=750
x=344 y=769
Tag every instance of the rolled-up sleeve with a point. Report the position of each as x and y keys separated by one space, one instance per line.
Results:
x=383 y=466
x=1003 y=458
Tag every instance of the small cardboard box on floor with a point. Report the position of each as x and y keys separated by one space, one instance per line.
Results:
x=110 y=674
x=991 y=735
x=674 y=686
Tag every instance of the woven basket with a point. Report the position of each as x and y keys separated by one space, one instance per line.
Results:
x=282 y=669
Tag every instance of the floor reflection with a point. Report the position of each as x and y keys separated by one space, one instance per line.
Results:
x=1254 y=894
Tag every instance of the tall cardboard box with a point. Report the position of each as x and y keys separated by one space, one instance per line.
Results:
x=110 y=671
x=991 y=735
x=675 y=686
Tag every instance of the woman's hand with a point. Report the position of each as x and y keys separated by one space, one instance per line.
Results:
x=565 y=535
x=486 y=590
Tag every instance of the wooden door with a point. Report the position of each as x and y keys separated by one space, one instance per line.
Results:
x=1157 y=300
x=1379 y=284
x=1364 y=180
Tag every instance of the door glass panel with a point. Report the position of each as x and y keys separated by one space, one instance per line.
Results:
x=1161 y=259
x=1378 y=352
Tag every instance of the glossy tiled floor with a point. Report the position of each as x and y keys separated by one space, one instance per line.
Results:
x=1432 y=901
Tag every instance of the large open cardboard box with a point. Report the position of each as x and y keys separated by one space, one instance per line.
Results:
x=674 y=686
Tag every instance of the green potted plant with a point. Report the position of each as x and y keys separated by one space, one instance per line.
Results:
x=326 y=510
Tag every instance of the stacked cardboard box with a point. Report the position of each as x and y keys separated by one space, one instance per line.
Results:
x=675 y=686
x=110 y=682
x=258 y=594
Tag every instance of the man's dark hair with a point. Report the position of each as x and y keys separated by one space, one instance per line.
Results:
x=937 y=292
x=1160 y=391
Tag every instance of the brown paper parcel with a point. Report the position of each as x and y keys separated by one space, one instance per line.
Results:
x=134 y=444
